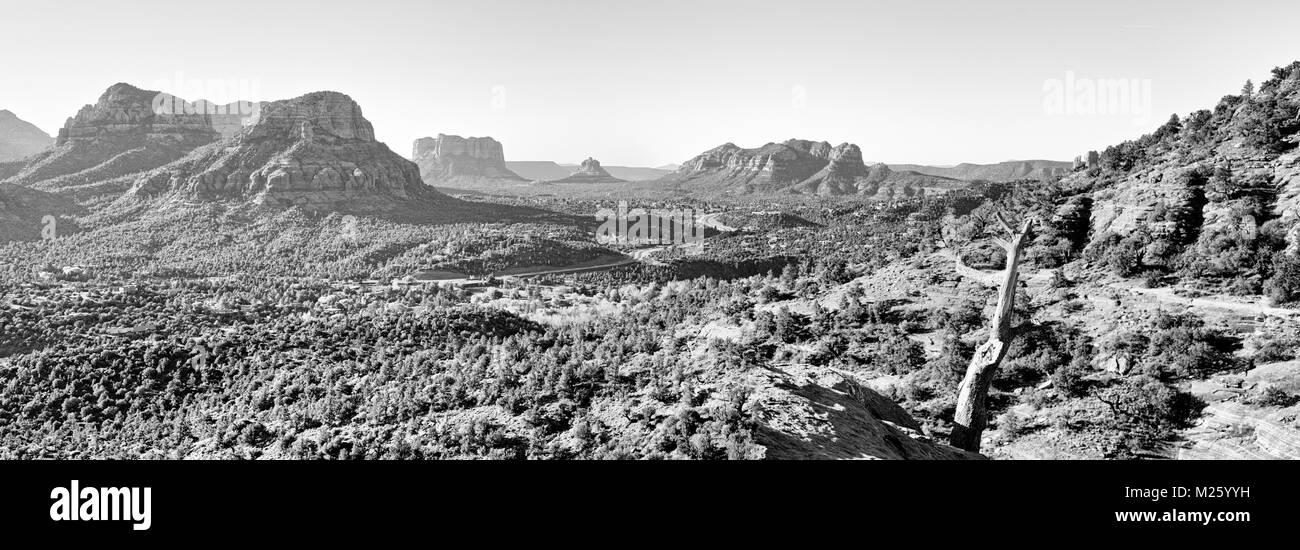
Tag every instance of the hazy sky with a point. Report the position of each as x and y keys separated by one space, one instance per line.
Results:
x=649 y=83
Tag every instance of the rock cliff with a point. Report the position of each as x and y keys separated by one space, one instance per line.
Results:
x=799 y=166
x=316 y=151
x=451 y=159
x=128 y=130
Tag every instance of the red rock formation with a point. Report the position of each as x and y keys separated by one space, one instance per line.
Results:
x=590 y=172
x=799 y=166
x=128 y=130
x=449 y=159
x=316 y=151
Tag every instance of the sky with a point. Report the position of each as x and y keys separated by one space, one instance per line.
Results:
x=651 y=83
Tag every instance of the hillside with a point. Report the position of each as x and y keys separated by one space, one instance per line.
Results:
x=1213 y=197
x=26 y=213
x=19 y=138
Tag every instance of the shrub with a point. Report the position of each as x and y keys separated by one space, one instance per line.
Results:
x=1069 y=380
x=1181 y=346
x=1273 y=396
x=1284 y=286
x=1122 y=255
x=1012 y=425
x=1154 y=409
x=1276 y=350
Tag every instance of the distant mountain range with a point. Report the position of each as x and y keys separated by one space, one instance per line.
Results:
x=545 y=170
x=1001 y=172
x=19 y=138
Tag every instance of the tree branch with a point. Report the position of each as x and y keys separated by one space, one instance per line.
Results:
x=1003 y=222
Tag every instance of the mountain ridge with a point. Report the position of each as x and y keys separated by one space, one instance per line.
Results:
x=19 y=138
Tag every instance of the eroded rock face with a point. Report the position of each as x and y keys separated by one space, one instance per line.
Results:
x=447 y=159
x=125 y=111
x=128 y=130
x=590 y=172
x=800 y=166
x=844 y=173
x=1169 y=200
x=1286 y=172
x=316 y=151
x=19 y=138
x=770 y=166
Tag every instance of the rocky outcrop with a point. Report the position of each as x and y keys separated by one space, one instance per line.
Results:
x=19 y=138
x=1286 y=173
x=844 y=173
x=453 y=159
x=813 y=413
x=128 y=130
x=125 y=111
x=1233 y=428
x=767 y=168
x=590 y=171
x=799 y=166
x=316 y=151
x=1201 y=189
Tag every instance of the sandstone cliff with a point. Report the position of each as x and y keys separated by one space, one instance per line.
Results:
x=452 y=159
x=316 y=151
x=128 y=130
x=799 y=166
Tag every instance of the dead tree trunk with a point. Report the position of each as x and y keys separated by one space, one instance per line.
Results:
x=971 y=417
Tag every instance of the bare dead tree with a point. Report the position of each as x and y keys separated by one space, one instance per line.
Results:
x=972 y=415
